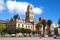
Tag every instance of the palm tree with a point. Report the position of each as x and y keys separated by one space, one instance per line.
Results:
x=49 y=22
x=43 y=22
x=38 y=28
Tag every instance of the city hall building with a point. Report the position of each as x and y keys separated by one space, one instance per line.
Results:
x=27 y=23
x=19 y=22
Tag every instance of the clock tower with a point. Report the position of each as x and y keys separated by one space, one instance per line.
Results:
x=29 y=14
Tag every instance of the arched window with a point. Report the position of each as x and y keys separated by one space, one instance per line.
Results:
x=31 y=26
x=26 y=26
x=22 y=25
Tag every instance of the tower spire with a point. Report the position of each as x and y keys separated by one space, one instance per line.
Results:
x=29 y=7
x=29 y=13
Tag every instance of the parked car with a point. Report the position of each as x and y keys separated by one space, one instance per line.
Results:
x=13 y=35
x=46 y=35
x=56 y=36
x=7 y=35
x=0 y=35
x=35 y=35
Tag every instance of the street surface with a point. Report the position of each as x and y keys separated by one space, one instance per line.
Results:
x=27 y=38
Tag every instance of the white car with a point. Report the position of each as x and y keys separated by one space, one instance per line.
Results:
x=46 y=36
x=13 y=35
x=7 y=35
x=0 y=35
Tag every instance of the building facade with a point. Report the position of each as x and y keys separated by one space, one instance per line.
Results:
x=27 y=23
x=19 y=22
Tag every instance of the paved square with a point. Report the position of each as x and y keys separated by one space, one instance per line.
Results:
x=27 y=38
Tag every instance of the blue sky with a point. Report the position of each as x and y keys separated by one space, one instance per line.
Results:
x=48 y=9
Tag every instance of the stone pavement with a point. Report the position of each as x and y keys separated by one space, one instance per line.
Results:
x=27 y=38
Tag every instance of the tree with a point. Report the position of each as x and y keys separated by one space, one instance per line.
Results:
x=43 y=22
x=5 y=30
x=49 y=22
x=2 y=26
x=38 y=27
x=28 y=31
x=59 y=21
x=18 y=30
x=34 y=32
x=23 y=31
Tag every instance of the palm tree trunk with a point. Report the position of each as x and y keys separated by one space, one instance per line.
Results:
x=49 y=31
x=40 y=32
x=43 y=31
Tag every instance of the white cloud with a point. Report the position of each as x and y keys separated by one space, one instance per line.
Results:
x=10 y=6
x=2 y=7
x=37 y=10
x=11 y=0
x=20 y=7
